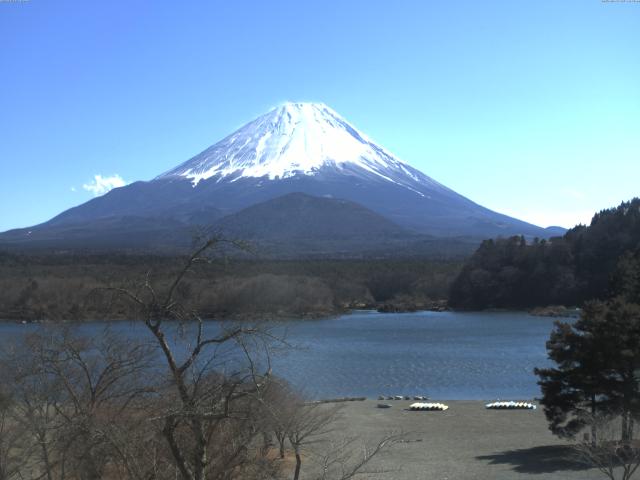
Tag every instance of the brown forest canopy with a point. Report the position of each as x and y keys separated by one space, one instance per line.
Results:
x=60 y=286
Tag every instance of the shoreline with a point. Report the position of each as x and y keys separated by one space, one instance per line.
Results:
x=552 y=312
x=467 y=441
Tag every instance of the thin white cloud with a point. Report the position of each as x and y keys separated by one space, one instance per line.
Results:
x=101 y=185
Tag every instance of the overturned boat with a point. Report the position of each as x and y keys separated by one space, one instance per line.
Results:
x=423 y=407
x=510 y=405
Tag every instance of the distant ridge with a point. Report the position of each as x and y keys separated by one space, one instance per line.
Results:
x=298 y=215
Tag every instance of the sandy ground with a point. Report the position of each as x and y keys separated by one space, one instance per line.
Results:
x=465 y=442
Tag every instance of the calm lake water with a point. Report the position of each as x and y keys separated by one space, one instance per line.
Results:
x=446 y=355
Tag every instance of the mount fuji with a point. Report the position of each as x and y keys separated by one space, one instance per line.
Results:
x=273 y=165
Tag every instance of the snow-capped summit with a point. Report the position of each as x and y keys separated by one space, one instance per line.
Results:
x=300 y=171
x=297 y=139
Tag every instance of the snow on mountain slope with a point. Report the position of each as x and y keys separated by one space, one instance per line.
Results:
x=297 y=148
x=298 y=139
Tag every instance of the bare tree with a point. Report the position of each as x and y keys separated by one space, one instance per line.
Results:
x=348 y=457
x=609 y=454
x=72 y=395
x=14 y=445
x=100 y=380
x=308 y=425
x=34 y=397
x=309 y=429
x=207 y=405
x=281 y=404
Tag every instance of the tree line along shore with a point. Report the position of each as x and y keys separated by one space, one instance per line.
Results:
x=71 y=287
x=597 y=261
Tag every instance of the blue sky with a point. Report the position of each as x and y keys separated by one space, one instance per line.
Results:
x=529 y=108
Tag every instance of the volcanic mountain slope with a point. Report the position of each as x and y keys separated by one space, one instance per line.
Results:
x=297 y=147
x=298 y=224
x=300 y=216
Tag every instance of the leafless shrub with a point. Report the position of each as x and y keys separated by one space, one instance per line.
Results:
x=14 y=443
x=307 y=426
x=76 y=396
x=348 y=457
x=606 y=452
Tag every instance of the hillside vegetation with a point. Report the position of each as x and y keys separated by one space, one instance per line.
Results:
x=69 y=287
x=598 y=261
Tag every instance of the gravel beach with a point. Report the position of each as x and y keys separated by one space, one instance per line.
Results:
x=465 y=442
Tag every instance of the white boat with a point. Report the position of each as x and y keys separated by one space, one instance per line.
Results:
x=428 y=407
x=510 y=405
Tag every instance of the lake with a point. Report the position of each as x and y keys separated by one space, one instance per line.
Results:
x=446 y=355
